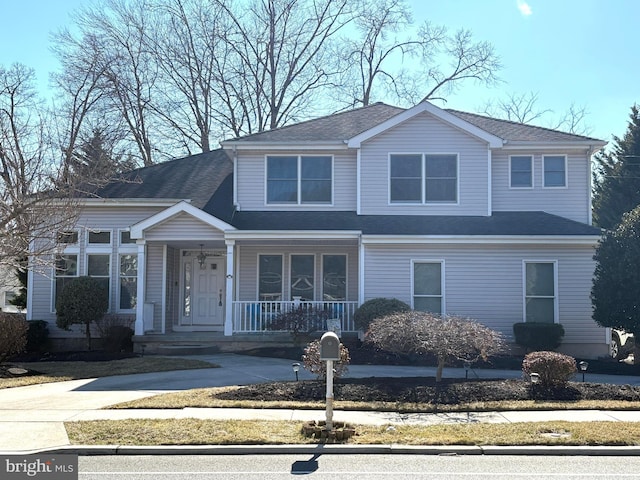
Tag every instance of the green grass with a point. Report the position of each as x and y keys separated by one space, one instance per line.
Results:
x=62 y=371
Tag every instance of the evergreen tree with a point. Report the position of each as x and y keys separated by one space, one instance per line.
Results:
x=616 y=282
x=20 y=299
x=617 y=176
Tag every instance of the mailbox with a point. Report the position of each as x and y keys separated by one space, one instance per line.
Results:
x=330 y=347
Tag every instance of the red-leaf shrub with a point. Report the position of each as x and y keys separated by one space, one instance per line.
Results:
x=13 y=334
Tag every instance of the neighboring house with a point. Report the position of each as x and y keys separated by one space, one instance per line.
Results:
x=448 y=211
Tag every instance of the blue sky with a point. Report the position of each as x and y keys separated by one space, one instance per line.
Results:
x=567 y=51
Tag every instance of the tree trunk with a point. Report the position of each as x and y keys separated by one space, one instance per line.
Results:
x=87 y=333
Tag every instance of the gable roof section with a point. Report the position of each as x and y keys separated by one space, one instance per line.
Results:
x=138 y=229
x=195 y=178
x=498 y=224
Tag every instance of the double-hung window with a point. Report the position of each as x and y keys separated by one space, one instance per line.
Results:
x=540 y=298
x=299 y=180
x=423 y=178
x=521 y=171
x=128 y=276
x=99 y=267
x=303 y=276
x=66 y=270
x=334 y=277
x=555 y=170
x=428 y=290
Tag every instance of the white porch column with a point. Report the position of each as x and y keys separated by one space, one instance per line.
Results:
x=142 y=275
x=228 y=314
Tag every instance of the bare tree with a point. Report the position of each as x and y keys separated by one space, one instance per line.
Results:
x=281 y=57
x=35 y=203
x=524 y=108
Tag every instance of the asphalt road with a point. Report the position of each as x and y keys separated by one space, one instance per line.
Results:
x=348 y=467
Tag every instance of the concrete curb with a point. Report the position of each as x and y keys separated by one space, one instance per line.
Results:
x=336 y=449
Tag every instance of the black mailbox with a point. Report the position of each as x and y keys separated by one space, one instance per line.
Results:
x=330 y=347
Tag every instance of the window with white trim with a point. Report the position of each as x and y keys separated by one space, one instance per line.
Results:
x=302 y=276
x=555 y=170
x=427 y=286
x=270 y=277
x=8 y=298
x=125 y=238
x=521 y=171
x=540 y=292
x=67 y=237
x=303 y=179
x=99 y=267
x=99 y=237
x=128 y=275
x=66 y=269
x=334 y=278
x=423 y=178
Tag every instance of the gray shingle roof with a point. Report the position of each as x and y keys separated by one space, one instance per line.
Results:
x=346 y=125
x=499 y=223
x=197 y=178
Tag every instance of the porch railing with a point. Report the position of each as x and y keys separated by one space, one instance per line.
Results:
x=260 y=316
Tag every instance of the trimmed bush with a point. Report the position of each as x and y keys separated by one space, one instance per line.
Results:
x=311 y=361
x=377 y=308
x=538 y=336
x=554 y=369
x=82 y=301
x=118 y=339
x=37 y=336
x=302 y=320
x=13 y=334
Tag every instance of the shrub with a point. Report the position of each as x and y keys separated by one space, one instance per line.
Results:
x=82 y=301
x=554 y=369
x=301 y=320
x=377 y=308
x=13 y=334
x=448 y=337
x=118 y=338
x=538 y=336
x=311 y=361
x=37 y=336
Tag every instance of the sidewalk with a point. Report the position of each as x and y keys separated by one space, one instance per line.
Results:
x=31 y=418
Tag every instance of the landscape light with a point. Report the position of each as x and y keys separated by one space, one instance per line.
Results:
x=296 y=368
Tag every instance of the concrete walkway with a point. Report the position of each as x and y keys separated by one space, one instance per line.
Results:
x=31 y=418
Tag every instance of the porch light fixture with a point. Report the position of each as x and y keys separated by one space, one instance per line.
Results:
x=296 y=368
x=202 y=257
x=583 y=368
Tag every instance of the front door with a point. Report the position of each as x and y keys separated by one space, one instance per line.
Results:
x=208 y=293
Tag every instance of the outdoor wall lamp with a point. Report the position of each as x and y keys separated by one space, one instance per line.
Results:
x=583 y=368
x=202 y=257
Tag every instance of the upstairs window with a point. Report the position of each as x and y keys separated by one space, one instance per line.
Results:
x=521 y=171
x=555 y=170
x=428 y=178
x=299 y=180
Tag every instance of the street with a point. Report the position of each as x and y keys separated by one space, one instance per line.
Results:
x=348 y=467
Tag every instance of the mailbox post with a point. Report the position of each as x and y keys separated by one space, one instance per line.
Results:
x=329 y=352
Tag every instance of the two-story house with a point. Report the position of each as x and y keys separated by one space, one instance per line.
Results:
x=448 y=211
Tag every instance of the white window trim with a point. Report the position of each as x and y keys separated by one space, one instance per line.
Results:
x=442 y=282
x=124 y=247
x=299 y=202
x=282 y=280
x=556 y=309
x=566 y=171
x=423 y=202
x=315 y=272
x=511 y=187
x=346 y=273
x=118 y=292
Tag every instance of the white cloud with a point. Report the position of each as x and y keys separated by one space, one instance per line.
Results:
x=524 y=8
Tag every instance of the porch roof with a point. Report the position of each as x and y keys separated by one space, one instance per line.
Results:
x=498 y=224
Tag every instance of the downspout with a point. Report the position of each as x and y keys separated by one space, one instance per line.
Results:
x=489 y=184
x=358 y=158
x=234 y=160
x=590 y=151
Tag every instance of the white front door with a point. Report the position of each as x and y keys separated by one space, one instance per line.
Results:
x=208 y=293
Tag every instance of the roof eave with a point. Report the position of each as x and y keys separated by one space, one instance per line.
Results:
x=586 y=240
x=572 y=145
x=280 y=145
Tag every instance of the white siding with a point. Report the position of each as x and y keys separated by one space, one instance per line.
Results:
x=153 y=293
x=248 y=268
x=484 y=282
x=570 y=202
x=425 y=134
x=252 y=183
